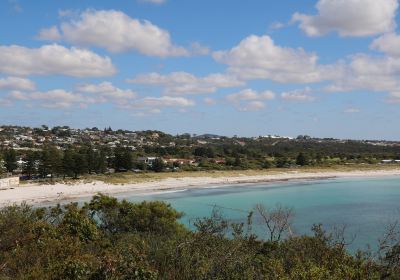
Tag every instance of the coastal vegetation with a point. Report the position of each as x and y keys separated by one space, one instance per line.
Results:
x=111 y=239
x=62 y=152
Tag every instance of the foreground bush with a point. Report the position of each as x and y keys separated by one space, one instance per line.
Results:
x=111 y=239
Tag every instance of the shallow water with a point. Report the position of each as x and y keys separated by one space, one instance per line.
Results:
x=364 y=206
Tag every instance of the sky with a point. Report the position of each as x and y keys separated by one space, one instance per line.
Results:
x=325 y=68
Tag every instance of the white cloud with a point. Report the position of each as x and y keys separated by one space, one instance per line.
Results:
x=107 y=90
x=388 y=44
x=209 y=101
x=252 y=106
x=82 y=96
x=66 y=13
x=249 y=99
x=199 y=49
x=257 y=57
x=394 y=97
x=250 y=94
x=154 y=104
x=364 y=72
x=276 y=25
x=117 y=32
x=5 y=102
x=153 y=1
x=49 y=34
x=350 y=17
x=15 y=83
x=181 y=83
x=146 y=113
x=54 y=60
x=301 y=95
x=352 y=110
x=165 y=101
x=57 y=98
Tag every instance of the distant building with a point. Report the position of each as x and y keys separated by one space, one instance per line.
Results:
x=10 y=182
x=390 y=161
x=147 y=160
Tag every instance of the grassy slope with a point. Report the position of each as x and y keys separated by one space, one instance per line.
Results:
x=129 y=177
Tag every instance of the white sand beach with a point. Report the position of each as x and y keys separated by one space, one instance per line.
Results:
x=34 y=193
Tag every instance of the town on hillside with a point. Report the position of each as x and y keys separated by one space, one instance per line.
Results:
x=61 y=151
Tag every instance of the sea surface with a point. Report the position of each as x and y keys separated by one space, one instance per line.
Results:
x=365 y=206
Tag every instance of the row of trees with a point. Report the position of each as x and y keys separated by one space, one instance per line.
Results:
x=87 y=158
x=51 y=162
x=111 y=239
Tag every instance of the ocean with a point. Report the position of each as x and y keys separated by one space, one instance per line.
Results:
x=365 y=206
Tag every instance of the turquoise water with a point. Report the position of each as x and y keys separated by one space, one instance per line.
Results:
x=364 y=206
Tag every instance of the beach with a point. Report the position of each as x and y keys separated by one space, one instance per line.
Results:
x=58 y=192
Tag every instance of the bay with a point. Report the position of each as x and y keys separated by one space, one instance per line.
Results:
x=365 y=206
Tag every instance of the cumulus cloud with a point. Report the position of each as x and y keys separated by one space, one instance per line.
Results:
x=164 y=101
x=181 y=83
x=276 y=25
x=153 y=1
x=350 y=17
x=85 y=95
x=116 y=32
x=249 y=99
x=54 y=60
x=82 y=96
x=199 y=49
x=394 y=97
x=258 y=57
x=365 y=72
x=107 y=91
x=388 y=44
x=149 y=105
x=57 y=98
x=16 y=83
x=300 y=95
x=352 y=110
x=252 y=106
x=369 y=73
x=49 y=34
x=209 y=101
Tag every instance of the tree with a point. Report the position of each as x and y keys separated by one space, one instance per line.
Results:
x=101 y=162
x=10 y=159
x=30 y=167
x=123 y=216
x=301 y=160
x=278 y=221
x=281 y=162
x=90 y=159
x=123 y=159
x=158 y=165
x=74 y=163
x=2 y=167
x=50 y=162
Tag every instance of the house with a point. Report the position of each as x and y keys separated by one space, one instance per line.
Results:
x=10 y=182
x=181 y=161
x=147 y=160
x=389 y=161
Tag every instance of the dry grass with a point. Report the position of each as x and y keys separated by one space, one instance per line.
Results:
x=130 y=177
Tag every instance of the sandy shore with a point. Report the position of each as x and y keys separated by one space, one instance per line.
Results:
x=33 y=194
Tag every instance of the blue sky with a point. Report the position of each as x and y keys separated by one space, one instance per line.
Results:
x=327 y=68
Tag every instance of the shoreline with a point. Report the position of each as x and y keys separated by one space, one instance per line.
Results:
x=59 y=192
